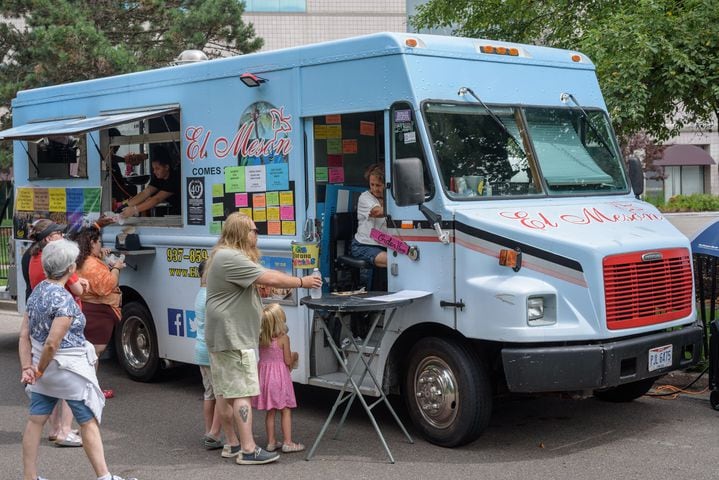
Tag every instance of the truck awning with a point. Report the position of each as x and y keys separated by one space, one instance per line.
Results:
x=74 y=126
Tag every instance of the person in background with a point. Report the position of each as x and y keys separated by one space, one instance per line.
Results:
x=61 y=432
x=211 y=413
x=276 y=390
x=232 y=329
x=58 y=363
x=101 y=300
x=36 y=227
x=163 y=187
x=370 y=215
x=122 y=189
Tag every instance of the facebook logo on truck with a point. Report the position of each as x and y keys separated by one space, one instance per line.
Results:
x=181 y=323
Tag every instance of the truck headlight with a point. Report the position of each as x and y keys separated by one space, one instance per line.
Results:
x=541 y=311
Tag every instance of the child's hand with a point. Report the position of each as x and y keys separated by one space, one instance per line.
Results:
x=295 y=360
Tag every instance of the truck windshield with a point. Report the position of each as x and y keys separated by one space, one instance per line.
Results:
x=560 y=152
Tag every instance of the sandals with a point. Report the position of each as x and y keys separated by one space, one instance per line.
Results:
x=72 y=440
x=52 y=438
x=272 y=447
x=292 y=447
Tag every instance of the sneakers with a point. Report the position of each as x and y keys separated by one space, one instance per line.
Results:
x=118 y=477
x=211 y=443
x=228 y=451
x=258 y=457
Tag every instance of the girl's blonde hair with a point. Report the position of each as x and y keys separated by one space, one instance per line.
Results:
x=236 y=234
x=274 y=323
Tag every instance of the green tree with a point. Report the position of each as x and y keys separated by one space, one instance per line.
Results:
x=59 y=41
x=657 y=60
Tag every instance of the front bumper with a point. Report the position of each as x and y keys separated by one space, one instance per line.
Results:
x=596 y=366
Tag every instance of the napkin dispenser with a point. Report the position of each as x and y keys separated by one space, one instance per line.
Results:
x=127 y=241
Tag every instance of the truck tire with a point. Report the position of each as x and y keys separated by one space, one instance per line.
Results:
x=136 y=343
x=447 y=392
x=626 y=392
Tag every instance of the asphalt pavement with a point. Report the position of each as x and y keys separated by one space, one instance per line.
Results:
x=153 y=430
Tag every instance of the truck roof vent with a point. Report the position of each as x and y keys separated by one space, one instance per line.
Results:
x=190 y=56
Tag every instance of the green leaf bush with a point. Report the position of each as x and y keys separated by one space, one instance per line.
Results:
x=696 y=202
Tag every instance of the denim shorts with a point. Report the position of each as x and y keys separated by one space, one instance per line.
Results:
x=42 y=405
x=366 y=252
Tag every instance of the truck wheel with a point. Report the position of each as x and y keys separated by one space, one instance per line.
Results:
x=626 y=392
x=136 y=343
x=447 y=392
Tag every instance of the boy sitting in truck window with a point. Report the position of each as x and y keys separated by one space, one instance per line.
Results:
x=163 y=187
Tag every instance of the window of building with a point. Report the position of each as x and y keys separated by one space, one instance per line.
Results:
x=276 y=6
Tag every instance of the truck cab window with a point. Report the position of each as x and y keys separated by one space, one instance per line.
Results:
x=58 y=157
x=406 y=141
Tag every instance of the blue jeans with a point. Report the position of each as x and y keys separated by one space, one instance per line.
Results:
x=42 y=405
x=366 y=252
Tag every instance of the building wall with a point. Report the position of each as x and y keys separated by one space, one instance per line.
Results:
x=709 y=141
x=328 y=20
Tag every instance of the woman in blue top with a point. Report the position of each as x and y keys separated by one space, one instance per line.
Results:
x=58 y=363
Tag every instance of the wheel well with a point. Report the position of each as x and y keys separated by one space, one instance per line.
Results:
x=129 y=294
x=398 y=357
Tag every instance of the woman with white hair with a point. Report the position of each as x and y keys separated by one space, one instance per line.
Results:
x=58 y=363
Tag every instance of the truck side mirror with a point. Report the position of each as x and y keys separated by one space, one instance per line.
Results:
x=407 y=181
x=636 y=175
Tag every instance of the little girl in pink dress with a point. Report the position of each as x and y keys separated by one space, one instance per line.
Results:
x=276 y=390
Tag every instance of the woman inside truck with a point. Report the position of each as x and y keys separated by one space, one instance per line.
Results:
x=370 y=216
x=163 y=187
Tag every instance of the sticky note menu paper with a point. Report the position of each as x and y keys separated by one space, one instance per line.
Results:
x=288 y=228
x=259 y=214
x=57 y=200
x=241 y=200
x=349 y=146
x=334 y=146
x=273 y=213
x=215 y=228
x=246 y=211
x=218 y=209
x=367 y=128
x=258 y=200
x=74 y=199
x=334 y=131
x=274 y=227
x=320 y=132
x=234 y=180
x=255 y=178
x=278 y=176
x=287 y=198
x=218 y=190
x=321 y=174
x=92 y=199
x=24 y=200
x=287 y=212
x=333 y=119
x=42 y=199
x=272 y=198
x=334 y=160
x=336 y=175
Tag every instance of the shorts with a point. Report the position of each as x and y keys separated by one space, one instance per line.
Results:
x=42 y=405
x=366 y=252
x=100 y=322
x=234 y=373
x=207 y=382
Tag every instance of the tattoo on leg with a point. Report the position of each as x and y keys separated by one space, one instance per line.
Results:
x=244 y=413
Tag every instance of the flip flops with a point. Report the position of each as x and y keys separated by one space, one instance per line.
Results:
x=72 y=440
x=292 y=447
x=52 y=438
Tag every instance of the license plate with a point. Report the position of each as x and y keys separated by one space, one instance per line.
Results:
x=660 y=357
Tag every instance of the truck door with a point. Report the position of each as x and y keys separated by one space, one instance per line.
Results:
x=430 y=264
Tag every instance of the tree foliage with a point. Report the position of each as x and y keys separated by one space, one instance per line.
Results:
x=58 y=41
x=657 y=60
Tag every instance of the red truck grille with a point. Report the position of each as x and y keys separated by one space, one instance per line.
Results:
x=644 y=288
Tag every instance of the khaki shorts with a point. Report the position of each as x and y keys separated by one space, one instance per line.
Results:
x=207 y=382
x=234 y=373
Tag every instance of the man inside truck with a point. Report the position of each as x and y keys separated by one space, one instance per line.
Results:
x=163 y=187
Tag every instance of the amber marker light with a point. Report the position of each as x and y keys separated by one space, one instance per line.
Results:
x=514 y=52
x=487 y=49
x=576 y=58
x=411 y=42
x=511 y=258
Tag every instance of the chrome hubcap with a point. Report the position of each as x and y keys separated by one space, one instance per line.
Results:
x=436 y=392
x=135 y=342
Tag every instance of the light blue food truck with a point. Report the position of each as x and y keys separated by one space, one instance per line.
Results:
x=507 y=201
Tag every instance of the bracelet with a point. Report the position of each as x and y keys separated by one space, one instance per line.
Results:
x=301 y=283
x=38 y=374
x=114 y=268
